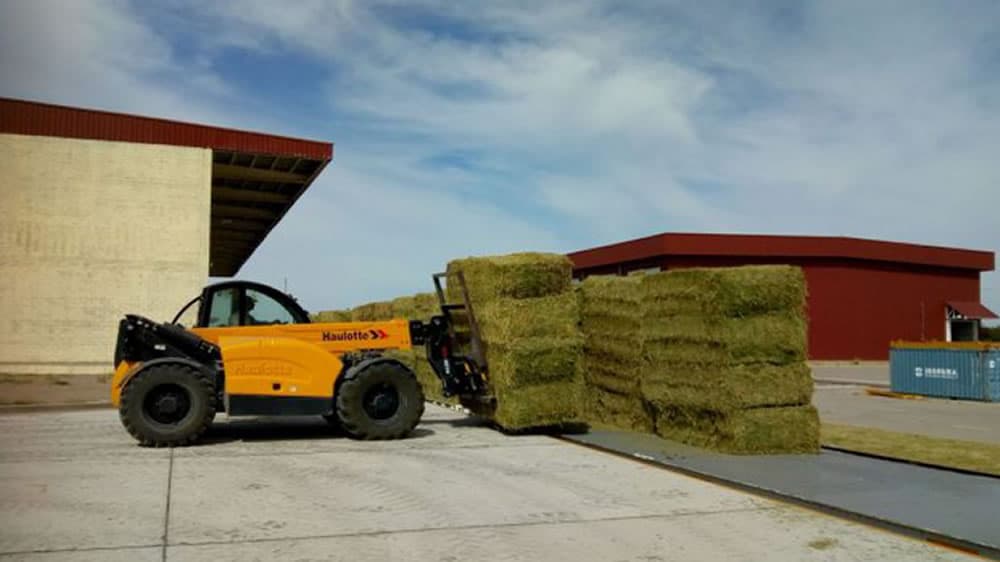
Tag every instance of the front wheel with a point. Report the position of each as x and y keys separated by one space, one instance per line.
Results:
x=168 y=405
x=379 y=399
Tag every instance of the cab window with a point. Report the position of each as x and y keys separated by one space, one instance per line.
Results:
x=225 y=309
x=263 y=309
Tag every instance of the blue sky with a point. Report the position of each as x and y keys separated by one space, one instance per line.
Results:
x=476 y=128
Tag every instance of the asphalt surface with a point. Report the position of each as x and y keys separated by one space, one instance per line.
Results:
x=935 y=417
x=74 y=486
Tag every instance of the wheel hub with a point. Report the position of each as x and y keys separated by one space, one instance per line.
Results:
x=381 y=402
x=167 y=404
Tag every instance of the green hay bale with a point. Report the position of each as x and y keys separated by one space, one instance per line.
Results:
x=606 y=377
x=331 y=316
x=607 y=409
x=613 y=325
x=517 y=276
x=536 y=406
x=532 y=361
x=625 y=354
x=373 y=312
x=421 y=306
x=754 y=431
x=731 y=292
x=616 y=290
x=724 y=389
x=775 y=338
x=505 y=320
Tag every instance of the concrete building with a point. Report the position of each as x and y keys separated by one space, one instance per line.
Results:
x=107 y=213
x=863 y=294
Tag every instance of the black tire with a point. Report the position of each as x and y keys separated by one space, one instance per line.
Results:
x=379 y=399
x=147 y=397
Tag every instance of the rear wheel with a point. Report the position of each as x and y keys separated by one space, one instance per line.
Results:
x=168 y=405
x=379 y=399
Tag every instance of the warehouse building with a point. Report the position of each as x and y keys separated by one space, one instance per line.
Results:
x=106 y=213
x=863 y=294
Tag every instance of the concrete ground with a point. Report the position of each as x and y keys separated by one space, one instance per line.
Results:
x=74 y=486
x=874 y=373
x=935 y=417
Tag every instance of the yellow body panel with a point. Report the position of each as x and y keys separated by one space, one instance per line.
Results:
x=123 y=371
x=283 y=360
x=333 y=337
x=278 y=367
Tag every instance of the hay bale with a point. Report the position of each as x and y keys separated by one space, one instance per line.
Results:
x=537 y=406
x=727 y=292
x=611 y=321
x=778 y=338
x=528 y=361
x=421 y=306
x=372 y=312
x=507 y=319
x=529 y=319
x=517 y=276
x=729 y=388
x=331 y=316
x=753 y=431
x=611 y=410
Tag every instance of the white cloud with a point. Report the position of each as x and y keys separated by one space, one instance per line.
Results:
x=582 y=122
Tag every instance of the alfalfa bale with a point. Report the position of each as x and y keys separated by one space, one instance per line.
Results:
x=779 y=338
x=507 y=319
x=372 y=312
x=725 y=292
x=421 y=306
x=793 y=429
x=611 y=316
x=728 y=388
x=518 y=276
x=325 y=316
x=529 y=320
x=612 y=410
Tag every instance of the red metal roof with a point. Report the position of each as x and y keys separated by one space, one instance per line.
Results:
x=43 y=119
x=756 y=245
x=972 y=310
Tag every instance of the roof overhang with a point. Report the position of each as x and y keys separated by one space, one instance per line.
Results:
x=969 y=311
x=256 y=177
x=777 y=247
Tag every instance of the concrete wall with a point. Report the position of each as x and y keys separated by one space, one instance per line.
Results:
x=92 y=230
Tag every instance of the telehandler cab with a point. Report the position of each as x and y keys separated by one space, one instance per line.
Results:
x=253 y=351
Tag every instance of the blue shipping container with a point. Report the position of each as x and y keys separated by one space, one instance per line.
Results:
x=946 y=372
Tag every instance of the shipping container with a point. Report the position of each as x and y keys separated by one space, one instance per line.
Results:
x=969 y=371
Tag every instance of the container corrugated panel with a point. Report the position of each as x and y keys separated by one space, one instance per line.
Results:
x=991 y=368
x=945 y=373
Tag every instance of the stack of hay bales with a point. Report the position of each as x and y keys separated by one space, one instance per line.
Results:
x=528 y=314
x=331 y=316
x=725 y=359
x=611 y=315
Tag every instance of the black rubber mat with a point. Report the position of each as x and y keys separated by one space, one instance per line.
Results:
x=940 y=505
